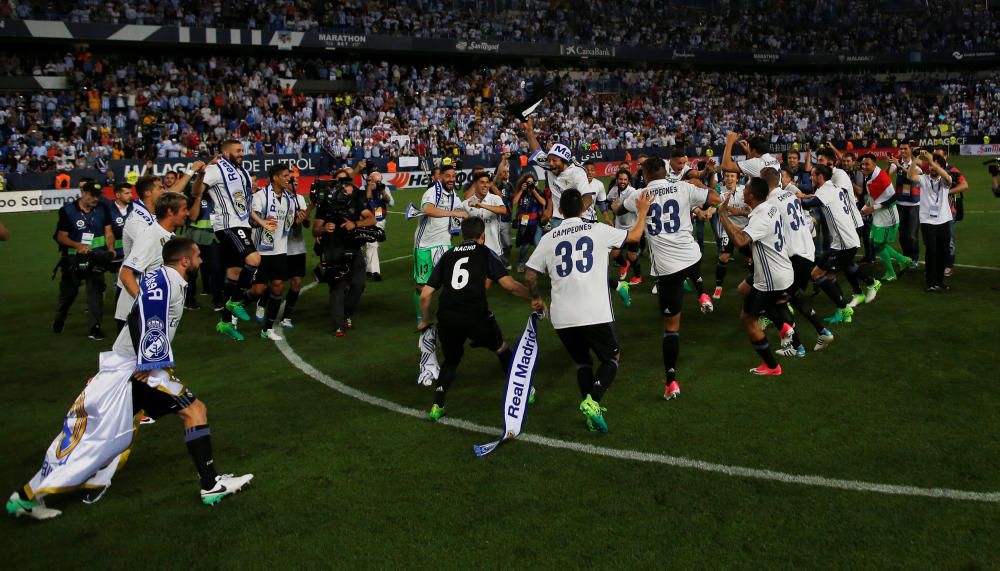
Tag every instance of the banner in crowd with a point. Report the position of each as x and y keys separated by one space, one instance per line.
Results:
x=36 y=200
x=308 y=164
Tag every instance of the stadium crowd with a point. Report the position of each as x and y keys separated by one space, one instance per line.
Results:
x=714 y=25
x=168 y=106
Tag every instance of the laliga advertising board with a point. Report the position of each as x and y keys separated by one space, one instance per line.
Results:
x=36 y=200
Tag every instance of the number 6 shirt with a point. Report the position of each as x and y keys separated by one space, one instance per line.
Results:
x=669 y=233
x=575 y=256
x=461 y=277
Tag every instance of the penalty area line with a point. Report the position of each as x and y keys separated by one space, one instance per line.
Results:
x=636 y=455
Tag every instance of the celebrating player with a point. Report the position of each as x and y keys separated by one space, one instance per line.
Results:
x=275 y=207
x=463 y=313
x=674 y=255
x=489 y=208
x=560 y=174
x=432 y=239
x=575 y=256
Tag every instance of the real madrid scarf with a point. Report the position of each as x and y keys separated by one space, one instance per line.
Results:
x=271 y=202
x=140 y=210
x=153 y=304
x=236 y=180
x=454 y=224
x=429 y=368
x=519 y=378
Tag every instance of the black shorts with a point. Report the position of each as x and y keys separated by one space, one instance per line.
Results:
x=155 y=403
x=455 y=329
x=236 y=246
x=836 y=260
x=274 y=267
x=670 y=289
x=803 y=273
x=296 y=265
x=761 y=302
x=599 y=338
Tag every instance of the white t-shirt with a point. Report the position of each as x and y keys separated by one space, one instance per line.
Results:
x=574 y=176
x=432 y=231
x=752 y=167
x=491 y=219
x=230 y=188
x=669 y=232
x=772 y=270
x=735 y=202
x=677 y=176
x=837 y=204
x=596 y=188
x=268 y=204
x=575 y=256
x=795 y=227
x=296 y=241
x=175 y=309
x=934 y=207
x=627 y=220
x=146 y=256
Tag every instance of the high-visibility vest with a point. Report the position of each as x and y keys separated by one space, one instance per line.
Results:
x=62 y=181
x=391 y=166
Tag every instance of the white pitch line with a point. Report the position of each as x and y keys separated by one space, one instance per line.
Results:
x=638 y=456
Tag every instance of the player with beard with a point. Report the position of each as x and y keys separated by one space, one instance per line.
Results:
x=561 y=173
x=738 y=213
x=629 y=256
x=439 y=222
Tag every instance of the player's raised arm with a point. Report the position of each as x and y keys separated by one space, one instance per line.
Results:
x=728 y=164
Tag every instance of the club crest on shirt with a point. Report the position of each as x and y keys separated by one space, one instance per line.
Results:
x=240 y=202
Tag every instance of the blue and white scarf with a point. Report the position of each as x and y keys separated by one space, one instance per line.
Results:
x=454 y=224
x=237 y=183
x=140 y=210
x=153 y=304
x=519 y=378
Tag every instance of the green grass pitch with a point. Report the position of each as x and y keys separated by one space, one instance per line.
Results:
x=907 y=395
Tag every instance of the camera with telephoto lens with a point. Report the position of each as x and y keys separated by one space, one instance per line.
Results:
x=993 y=165
x=330 y=198
x=91 y=262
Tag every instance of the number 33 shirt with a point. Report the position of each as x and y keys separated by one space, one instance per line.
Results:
x=669 y=233
x=575 y=256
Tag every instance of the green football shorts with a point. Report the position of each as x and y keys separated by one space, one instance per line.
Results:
x=884 y=235
x=424 y=260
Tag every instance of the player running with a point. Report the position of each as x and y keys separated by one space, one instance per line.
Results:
x=463 y=312
x=772 y=269
x=674 y=254
x=135 y=376
x=627 y=258
x=885 y=218
x=575 y=256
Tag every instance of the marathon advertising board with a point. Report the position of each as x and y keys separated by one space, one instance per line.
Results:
x=36 y=200
x=334 y=41
x=308 y=165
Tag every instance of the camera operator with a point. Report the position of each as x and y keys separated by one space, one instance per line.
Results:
x=84 y=233
x=341 y=212
x=379 y=199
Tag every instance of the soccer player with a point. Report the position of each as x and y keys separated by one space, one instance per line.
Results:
x=674 y=255
x=628 y=257
x=488 y=207
x=147 y=190
x=908 y=203
x=738 y=213
x=432 y=239
x=561 y=173
x=575 y=256
x=463 y=313
x=885 y=220
x=772 y=269
x=275 y=208
x=596 y=189
x=757 y=156
x=801 y=251
x=230 y=187
x=135 y=376
x=839 y=212
x=296 y=258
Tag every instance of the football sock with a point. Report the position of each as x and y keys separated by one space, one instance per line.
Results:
x=585 y=379
x=764 y=350
x=636 y=268
x=246 y=277
x=605 y=376
x=290 y=299
x=804 y=307
x=895 y=255
x=273 y=305
x=416 y=303
x=199 y=445
x=671 y=347
x=505 y=358
x=720 y=272
x=229 y=291
x=445 y=377
x=832 y=290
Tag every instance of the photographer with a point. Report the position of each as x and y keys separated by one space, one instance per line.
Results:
x=341 y=212
x=83 y=233
x=994 y=169
x=379 y=198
